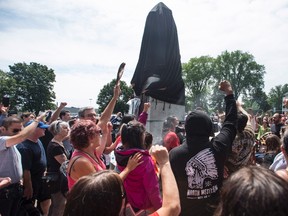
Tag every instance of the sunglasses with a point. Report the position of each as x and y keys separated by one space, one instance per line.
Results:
x=16 y=130
x=90 y=115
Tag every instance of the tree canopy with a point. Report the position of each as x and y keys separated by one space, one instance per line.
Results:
x=275 y=98
x=106 y=93
x=7 y=85
x=202 y=76
x=197 y=75
x=241 y=69
x=33 y=87
x=258 y=100
x=30 y=86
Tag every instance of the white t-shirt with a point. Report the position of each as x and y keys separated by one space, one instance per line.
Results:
x=10 y=165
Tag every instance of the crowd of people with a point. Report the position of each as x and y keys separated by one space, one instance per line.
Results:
x=236 y=168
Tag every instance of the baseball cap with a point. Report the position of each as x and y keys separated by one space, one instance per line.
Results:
x=41 y=124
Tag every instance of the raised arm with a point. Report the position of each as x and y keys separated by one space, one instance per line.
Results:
x=22 y=135
x=242 y=110
x=285 y=103
x=56 y=113
x=226 y=87
x=231 y=110
x=3 y=113
x=106 y=115
x=227 y=134
x=100 y=149
x=110 y=146
x=171 y=200
x=144 y=115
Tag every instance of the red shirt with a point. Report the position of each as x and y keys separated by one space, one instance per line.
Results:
x=171 y=140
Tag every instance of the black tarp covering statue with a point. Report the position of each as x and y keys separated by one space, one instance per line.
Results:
x=158 y=72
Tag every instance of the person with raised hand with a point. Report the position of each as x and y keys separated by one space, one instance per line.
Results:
x=198 y=164
x=13 y=133
x=171 y=199
x=88 y=113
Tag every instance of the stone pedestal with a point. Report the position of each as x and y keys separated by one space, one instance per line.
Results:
x=158 y=113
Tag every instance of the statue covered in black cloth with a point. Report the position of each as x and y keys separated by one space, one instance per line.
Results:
x=158 y=72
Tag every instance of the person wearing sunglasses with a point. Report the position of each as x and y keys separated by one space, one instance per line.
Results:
x=26 y=117
x=85 y=137
x=12 y=133
x=88 y=113
x=89 y=139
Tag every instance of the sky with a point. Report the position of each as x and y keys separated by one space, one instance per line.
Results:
x=84 y=41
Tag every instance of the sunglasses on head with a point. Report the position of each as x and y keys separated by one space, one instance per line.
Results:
x=58 y=125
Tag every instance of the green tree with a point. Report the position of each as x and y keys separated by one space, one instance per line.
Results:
x=106 y=93
x=241 y=69
x=258 y=100
x=275 y=97
x=197 y=76
x=34 y=86
x=7 y=87
x=217 y=104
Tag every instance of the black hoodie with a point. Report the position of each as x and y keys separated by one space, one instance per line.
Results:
x=198 y=164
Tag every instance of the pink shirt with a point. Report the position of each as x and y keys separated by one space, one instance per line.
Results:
x=97 y=165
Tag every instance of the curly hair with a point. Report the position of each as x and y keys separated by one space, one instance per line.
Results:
x=82 y=132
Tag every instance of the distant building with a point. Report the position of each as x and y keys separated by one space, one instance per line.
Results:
x=73 y=111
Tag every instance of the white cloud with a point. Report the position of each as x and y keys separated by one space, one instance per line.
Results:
x=85 y=41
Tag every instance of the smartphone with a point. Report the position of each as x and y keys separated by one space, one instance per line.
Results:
x=48 y=116
x=5 y=101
